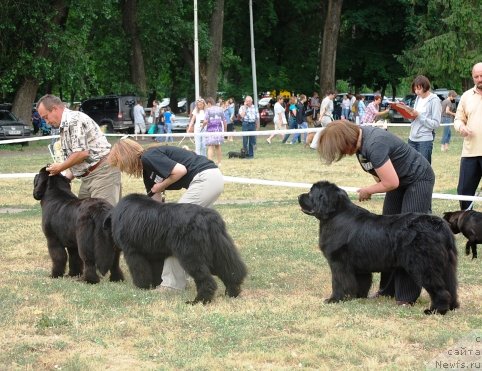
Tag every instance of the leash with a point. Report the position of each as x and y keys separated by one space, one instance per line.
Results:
x=472 y=203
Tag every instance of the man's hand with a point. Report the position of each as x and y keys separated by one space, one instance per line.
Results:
x=55 y=169
x=465 y=131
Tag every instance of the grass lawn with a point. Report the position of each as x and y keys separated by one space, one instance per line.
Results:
x=279 y=322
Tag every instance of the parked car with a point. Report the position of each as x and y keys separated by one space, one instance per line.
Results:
x=180 y=123
x=111 y=112
x=266 y=113
x=13 y=128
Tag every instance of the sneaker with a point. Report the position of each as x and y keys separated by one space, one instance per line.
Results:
x=403 y=303
x=268 y=140
x=288 y=143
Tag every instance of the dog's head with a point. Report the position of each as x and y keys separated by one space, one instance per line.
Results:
x=242 y=153
x=41 y=182
x=452 y=218
x=323 y=200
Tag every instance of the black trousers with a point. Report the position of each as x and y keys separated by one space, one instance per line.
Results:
x=469 y=178
x=415 y=197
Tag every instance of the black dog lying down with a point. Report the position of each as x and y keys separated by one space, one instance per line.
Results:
x=240 y=154
x=148 y=232
x=470 y=224
x=357 y=242
x=75 y=225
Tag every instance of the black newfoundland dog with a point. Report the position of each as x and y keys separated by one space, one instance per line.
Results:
x=75 y=226
x=469 y=223
x=357 y=242
x=148 y=231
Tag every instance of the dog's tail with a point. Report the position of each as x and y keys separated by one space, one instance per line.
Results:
x=228 y=264
x=451 y=271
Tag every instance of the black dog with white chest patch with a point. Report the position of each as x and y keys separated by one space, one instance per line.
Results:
x=357 y=242
x=469 y=223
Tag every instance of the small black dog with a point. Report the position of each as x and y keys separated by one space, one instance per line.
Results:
x=240 y=154
x=470 y=224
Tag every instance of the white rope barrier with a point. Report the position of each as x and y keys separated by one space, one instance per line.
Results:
x=277 y=183
x=206 y=134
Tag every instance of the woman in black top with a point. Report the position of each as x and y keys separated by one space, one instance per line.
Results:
x=170 y=168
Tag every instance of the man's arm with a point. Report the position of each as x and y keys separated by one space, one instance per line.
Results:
x=74 y=159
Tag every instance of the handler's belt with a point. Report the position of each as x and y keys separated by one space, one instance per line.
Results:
x=93 y=167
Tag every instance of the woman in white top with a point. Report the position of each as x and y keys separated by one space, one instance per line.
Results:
x=197 y=122
x=279 y=118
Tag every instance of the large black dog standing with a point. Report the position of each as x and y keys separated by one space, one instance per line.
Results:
x=75 y=225
x=357 y=242
x=469 y=222
x=148 y=231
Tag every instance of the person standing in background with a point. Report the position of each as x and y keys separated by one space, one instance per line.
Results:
x=279 y=118
x=301 y=120
x=345 y=107
x=250 y=121
x=292 y=112
x=448 y=115
x=168 y=118
x=214 y=122
x=468 y=122
x=315 y=105
x=196 y=125
x=139 y=119
x=427 y=111
x=326 y=115
x=361 y=108
x=372 y=112
x=229 y=116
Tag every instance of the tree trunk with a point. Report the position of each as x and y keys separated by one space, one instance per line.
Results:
x=215 y=54
x=328 y=50
x=136 y=58
x=26 y=93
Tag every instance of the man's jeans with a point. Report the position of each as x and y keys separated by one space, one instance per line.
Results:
x=424 y=148
x=249 y=142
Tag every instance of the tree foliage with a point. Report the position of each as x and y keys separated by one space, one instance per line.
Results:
x=81 y=49
x=451 y=42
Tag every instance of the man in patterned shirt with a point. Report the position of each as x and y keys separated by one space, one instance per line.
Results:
x=85 y=150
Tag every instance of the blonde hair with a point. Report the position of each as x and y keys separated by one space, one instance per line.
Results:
x=126 y=155
x=338 y=139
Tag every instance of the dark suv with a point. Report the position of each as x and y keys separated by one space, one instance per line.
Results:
x=111 y=112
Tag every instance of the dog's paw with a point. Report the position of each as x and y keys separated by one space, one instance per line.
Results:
x=331 y=300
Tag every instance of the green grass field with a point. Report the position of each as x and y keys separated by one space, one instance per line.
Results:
x=279 y=322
